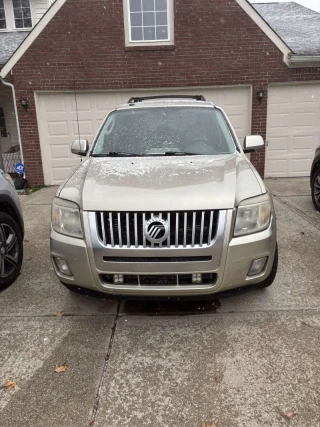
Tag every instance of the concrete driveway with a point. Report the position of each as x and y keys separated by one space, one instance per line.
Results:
x=247 y=361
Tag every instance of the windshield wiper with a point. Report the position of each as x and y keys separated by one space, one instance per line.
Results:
x=179 y=153
x=116 y=154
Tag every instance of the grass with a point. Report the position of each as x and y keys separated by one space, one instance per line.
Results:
x=34 y=188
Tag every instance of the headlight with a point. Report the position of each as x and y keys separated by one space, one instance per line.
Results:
x=252 y=218
x=66 y=218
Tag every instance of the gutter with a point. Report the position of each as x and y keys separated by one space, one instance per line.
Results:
x=17 y=118
x=304 y=60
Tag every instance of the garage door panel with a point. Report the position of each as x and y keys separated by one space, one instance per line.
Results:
x=303 y=143
x=301 y=165
x=293 y=127
x=278 y=167
x=58 y=126
x=60 y=152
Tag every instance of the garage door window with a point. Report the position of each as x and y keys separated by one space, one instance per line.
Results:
x=22 y=14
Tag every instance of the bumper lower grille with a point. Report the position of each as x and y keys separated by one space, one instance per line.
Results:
x=163 y=280
x=183 y=229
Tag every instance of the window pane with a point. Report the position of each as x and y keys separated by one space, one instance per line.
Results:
x=136 y=34
x=18 y=13
x=25 y=3
x=3 y=24
x=161 y=4
x=1 y=4
x=148 y=5
x=161 y=18
x=27 y=23
x=26 y=13
x=149 y=33
x=136 y=19
x=16 y=3
x=162 y=33
x=135 y=5
x=2 y=14
x=18 y=23
x=148 y=18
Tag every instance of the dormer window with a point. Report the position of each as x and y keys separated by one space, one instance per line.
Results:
x=148 y=22
x=3 y=22
x=22 y=14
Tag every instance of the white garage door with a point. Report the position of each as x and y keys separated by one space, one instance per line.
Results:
x=57 y=120
x=293 y=129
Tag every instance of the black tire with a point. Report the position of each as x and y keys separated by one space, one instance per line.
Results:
x=315 y=189
x=11 y=250
x=270 y=279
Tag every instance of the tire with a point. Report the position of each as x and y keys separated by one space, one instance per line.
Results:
x=270 y=279
x=11 y=250
x=315 y=189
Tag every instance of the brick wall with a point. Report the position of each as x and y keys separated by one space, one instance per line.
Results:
x=216 y=43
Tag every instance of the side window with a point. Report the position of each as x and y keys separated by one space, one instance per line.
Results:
x=22 y=14
x=3 y=23
x=3 y=128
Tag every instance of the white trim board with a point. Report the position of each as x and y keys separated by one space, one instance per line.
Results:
x=37 y=30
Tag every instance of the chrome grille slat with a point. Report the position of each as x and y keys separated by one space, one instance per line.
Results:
x=111 y=229
x=187 y=229
x=210 y=227
x=177 y=229
x=193 y=227
x=119 y=230
x=103 y=230
x=128 y=230
x=136 y=230
x=201 y=232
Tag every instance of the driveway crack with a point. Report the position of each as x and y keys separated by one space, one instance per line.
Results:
x=104 y=371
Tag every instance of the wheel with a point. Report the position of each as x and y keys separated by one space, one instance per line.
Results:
x=270 y=279
x=11 y=250
x=315 y=187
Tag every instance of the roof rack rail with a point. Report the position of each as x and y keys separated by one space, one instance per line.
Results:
x=135 y=99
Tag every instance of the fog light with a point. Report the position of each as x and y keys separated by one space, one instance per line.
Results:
x=118 y=279
x=257 y=266
x=197 y=278
x=62 y=266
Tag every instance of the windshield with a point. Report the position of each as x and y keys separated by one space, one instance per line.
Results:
x=164 y=131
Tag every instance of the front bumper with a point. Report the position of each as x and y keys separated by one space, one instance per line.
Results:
x=230 y=267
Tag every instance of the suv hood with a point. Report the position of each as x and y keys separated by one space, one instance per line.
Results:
x=162 y=183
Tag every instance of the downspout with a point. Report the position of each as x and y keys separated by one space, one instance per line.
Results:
x=17 y=119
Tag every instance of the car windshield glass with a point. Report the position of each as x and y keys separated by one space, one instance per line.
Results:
x=164 y=131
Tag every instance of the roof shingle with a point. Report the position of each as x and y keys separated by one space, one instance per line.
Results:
x=9 y=42
x=296 y=25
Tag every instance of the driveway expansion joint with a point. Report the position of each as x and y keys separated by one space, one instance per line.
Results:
x=297 y=211
x=104 y=371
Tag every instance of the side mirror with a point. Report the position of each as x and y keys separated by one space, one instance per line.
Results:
x=253 y=143
x=80 y=147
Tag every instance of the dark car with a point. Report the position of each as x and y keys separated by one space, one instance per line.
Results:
x=315 y=180
x=11 y=232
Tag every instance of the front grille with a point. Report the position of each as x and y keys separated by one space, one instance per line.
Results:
x=186 y=229
x=160 y=280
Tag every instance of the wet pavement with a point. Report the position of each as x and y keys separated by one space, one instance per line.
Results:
x=246 y=360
